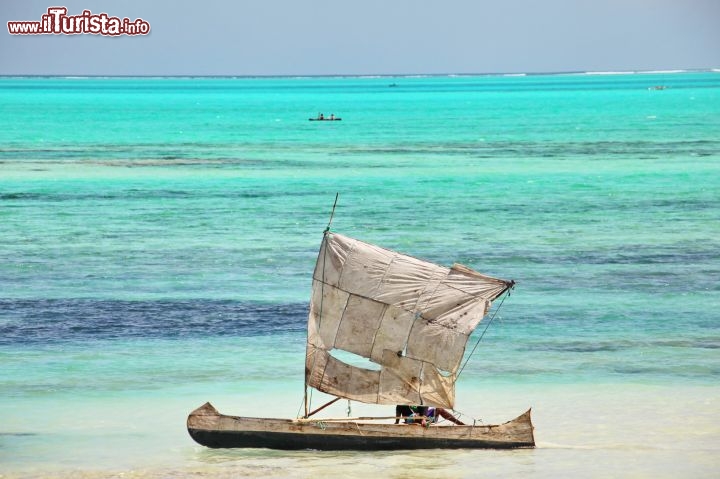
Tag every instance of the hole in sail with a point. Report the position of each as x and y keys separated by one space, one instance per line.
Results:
x=354 y=360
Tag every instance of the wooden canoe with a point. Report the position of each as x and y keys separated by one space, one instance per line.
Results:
x=210 y=428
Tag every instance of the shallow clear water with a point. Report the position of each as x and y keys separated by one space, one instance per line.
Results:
x=157 y=238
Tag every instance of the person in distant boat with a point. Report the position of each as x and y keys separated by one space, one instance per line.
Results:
x=332 y=116
x=321 y=116
x=431 y=414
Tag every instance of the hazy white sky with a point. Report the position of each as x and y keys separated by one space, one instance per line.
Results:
x=321 y=37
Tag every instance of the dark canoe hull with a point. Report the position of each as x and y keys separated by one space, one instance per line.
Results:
x=212 y=429
x=322 y=442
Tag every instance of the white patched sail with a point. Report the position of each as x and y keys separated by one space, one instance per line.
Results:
x=411 y=317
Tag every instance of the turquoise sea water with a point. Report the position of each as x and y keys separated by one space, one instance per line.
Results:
x=158 y=235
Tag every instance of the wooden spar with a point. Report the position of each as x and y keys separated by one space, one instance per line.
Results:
x=351 y=419
x=307 y=415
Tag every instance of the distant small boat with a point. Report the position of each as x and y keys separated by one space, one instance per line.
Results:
x=657 y=87
x=324 y=119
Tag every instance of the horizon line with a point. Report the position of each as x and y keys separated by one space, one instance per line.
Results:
x=368 y=75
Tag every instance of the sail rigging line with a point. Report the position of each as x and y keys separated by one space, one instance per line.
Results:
x=507 y=293
x=322 y=297
x=302 y=401
x=460 y=415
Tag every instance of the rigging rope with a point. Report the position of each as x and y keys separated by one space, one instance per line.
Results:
x=302 y=401
x=460 y=415
x=507 y=293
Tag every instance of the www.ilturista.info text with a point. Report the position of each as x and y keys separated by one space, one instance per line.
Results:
x=56 y=21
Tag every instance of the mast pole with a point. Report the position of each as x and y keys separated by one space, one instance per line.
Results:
x=305 y=401
x=332 y=213
x=305 y=396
